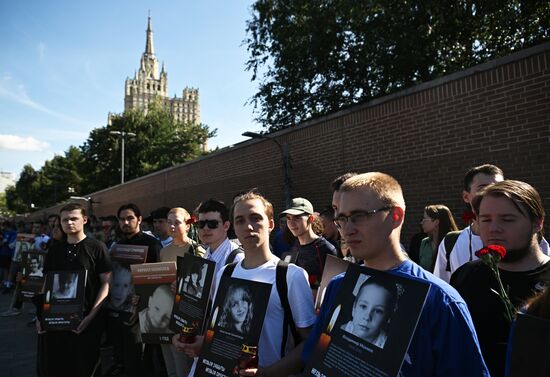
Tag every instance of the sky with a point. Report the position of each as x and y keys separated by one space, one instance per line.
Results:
x=63 y=65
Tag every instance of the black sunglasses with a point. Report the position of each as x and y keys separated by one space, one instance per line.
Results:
x=212 y=224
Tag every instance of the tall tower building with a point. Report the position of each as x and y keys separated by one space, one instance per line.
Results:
x=148 y=86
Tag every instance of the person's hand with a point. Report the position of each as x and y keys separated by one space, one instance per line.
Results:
x=135 y=300
x=39 y=327
x=133 y=318
x=190 y=349
x=83 y=324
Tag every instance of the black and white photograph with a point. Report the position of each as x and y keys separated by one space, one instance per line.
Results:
x=121 y=290
x=65 y=285
x=32 y=263
x=193 y=283
x=375 y=302
x=35 y=264
x=238 y=309
x=155 y=317
x=372 y=322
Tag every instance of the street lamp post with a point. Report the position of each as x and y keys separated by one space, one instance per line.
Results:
x=283 y=148
x=122 y=135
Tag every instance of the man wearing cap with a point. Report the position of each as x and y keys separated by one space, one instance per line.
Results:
x=313 y=248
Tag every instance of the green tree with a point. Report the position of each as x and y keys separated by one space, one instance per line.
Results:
x=315 y=57
x=160 y=142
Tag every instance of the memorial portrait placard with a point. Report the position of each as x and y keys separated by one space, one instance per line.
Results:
x=234 y=326
x=191 y=301
x=63 y=305
x=370 y=325
x=122 y=289
x=152 y=284
x=32 y=264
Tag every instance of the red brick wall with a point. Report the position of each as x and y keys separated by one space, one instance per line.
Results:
x=426 y=136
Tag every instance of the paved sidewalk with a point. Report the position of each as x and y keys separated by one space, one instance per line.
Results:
x=17 y=342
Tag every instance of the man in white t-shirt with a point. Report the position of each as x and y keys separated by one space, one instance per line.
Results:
x=213 y=225
x=253 y=221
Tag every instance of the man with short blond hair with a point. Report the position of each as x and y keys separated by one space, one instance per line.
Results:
x=370 y=214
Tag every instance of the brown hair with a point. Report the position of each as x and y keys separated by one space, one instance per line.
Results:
x=445 y=217
x=73 y=206
x=385 y=186
x=539 y=305
x=252 y=196
x=524 y=197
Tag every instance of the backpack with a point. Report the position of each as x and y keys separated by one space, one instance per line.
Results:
x=282 y=290
x=233 y=254
x=449 y=242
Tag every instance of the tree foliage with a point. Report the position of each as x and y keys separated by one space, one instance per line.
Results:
x=315 y=57
x=160 y=142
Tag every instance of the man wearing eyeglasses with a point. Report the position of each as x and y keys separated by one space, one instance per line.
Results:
x=77 y=353
x=213 y=225
x=370 y=213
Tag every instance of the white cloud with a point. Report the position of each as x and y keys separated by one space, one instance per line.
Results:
x=17 y=93
x=20 y=143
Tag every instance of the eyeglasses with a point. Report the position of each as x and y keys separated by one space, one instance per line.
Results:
x=357 y=218
x=212 y=224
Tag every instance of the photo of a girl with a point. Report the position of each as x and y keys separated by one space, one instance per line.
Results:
x=237 y=310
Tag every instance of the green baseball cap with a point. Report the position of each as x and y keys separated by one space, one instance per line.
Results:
x=299 y=206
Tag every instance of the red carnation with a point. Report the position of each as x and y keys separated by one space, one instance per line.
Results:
x=496 y=250
x=191 y=220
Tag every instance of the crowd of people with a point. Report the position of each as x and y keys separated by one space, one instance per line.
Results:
x=462 y=330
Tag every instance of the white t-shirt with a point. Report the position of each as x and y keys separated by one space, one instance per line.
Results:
x=460 y=254
x=299 y=298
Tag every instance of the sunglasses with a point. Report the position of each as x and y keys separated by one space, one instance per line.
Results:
x=212 y=224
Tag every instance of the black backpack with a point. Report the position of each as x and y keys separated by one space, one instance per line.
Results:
x=282 y=290
x=449 y=242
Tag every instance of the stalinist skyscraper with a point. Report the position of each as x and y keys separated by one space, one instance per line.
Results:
x=148 y=86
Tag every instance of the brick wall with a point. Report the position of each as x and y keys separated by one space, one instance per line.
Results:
x=426 y=136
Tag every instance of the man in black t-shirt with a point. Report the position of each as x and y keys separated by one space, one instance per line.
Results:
x=77 y=353
x=313 y=248
x=510 y=214
x=126 y=337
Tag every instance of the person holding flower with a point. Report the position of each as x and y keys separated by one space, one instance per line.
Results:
x=511 y=268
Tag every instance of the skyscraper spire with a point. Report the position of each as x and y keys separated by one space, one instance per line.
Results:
x=149 y=49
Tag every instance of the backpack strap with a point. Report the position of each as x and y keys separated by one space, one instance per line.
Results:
x=449 y=242
x=233 y=254
x=282 y=290
x=229 y=268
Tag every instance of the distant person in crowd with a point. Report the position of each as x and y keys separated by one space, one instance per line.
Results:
x=65 y=285
x=468 y=241
x=370 y=213
x=40 y=236
x=436 y=223
x=510 y=214
x=330 y=231
x=372 y=311
x=280 y=243
x=7 y=250
x=313 y=248
x=414 y=245
x=238 y=309
x=213 y=227
x=155 y=318
x=122 y=289
x=76 y=353
x=160 y=225
x=109 y=227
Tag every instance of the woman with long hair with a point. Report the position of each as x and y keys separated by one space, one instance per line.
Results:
x=436 y=223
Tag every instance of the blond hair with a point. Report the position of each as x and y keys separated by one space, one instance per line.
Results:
x=179 y=211
x=383 y=185
x=252 y=196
